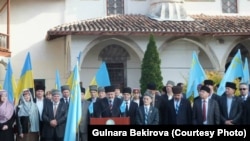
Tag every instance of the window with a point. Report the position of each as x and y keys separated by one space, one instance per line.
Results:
x=229 y=6
x=117 y=74
x=115 y=7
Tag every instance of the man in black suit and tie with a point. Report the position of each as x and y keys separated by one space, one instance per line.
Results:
x=210 y=83
x=40 y=101
x=230 y=106
x=54 y=118
x=65 y=95
x=131 y=106
x=110 y=105
x=205 y=110
x=244 y=96
x=136 y=96
x=93 y=93
x=178 y=111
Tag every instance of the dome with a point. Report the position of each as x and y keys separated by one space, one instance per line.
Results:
x=168 y=10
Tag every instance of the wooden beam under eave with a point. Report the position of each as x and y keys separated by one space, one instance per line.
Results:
x=8 y=24
x=5 y=54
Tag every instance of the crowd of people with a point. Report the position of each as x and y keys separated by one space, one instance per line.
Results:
x=43 y=117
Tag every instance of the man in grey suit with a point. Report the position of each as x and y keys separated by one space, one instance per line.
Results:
x=54 y=117
x=83 y=127
x=205 y=110
x=147 y=114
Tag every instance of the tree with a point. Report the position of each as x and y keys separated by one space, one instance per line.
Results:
x=150 y=68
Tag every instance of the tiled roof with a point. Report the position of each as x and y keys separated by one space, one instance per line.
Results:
x=142 y=25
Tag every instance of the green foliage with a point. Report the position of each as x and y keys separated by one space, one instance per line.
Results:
x=150 y=68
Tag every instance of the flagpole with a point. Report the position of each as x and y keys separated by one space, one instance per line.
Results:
x=78 y=135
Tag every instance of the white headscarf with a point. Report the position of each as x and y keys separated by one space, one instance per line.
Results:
x=29 y=108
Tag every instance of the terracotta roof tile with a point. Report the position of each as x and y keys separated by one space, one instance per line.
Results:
x=142 y=25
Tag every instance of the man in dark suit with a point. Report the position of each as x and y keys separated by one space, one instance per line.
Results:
x=93 y=93
x=147 y=114
x=85 y=119
x=136 y=96
x=168 y=91
x=156 y=98
x=54 y=118
x=131 y=106
x=244 y=96
x=65 y=90
x=178 y=111
x=206 y=110
x=110 y=105
x=210 y=83
x=40 y=101
x=230 y=106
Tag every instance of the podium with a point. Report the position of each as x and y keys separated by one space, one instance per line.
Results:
x=110 y=121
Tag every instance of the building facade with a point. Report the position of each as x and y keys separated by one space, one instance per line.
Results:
x=117 y=32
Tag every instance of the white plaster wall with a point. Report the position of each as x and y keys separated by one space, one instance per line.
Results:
x=3 y=21
x=30 y=21
x=214 y=8
x=211 y=8
x=88 y=9
x=133 y=69
x=84 y=9
x=131 y=6
x=2 y=73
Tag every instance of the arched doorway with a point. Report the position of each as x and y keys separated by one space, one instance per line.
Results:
x=116 y=58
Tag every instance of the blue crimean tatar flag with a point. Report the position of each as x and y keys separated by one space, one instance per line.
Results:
x=235 y=70
x=75 y=108
x=196 y=77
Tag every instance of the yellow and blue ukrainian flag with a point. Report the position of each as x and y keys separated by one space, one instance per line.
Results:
x=100 y=79
x=26 y=80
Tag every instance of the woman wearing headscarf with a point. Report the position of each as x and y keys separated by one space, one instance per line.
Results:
x=7 y=117
x=27 y=118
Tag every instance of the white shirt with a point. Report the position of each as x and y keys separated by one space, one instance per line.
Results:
x=137 y=101
x=66 y=99
x=146 y=107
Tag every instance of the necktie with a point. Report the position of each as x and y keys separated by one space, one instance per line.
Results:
x=110 y=105
x=146 y=116
x=204 y=111
x=66 y=100
x=177 y=107
x=126 y=108
x=55 y=109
